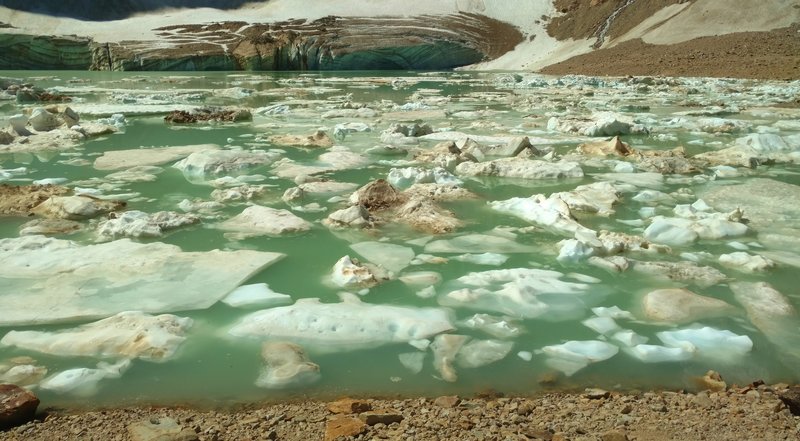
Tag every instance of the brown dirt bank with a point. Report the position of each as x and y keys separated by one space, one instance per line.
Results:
x=758 y=55
x=751 y=413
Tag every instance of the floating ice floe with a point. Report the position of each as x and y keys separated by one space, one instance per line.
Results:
x=683 y=271
x=257 y=220
x=140 y=224
x=613 y=312
x=84 y=382
x=22 y=371
x=519 y=292
x=572 y=356
x=471 y=243
x=599 y=197
x=498 y=327
x=492 y=259
x=348 y=273
x=49 y=280
x=658 y=354
x=520 y=168
x=478 y=353
x=696 y=221
x=551 y=213
x=392 y=257
x=413 y=361
x=403 y=178
x=678 y=305
x=286 y=366
x=602 y=325
x=122 y=159
x=750 y=150
x=202 y=166
x=349 y=325
x=708 y=342
x=124 y=335
x=255 y=295
x=772 y=313
x=600 y=124
x=746 y=262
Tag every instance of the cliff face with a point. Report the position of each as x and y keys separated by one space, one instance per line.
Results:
x=329 y=43
x=387 y=34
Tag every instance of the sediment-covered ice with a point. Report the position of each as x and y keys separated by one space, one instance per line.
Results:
x=348 y=325
x=48 y=280
x=136 y=223
x=202 y=166
x=678 y=305
x=124 y=335
x=520 y=168
x=122 y=159
x=286 y=365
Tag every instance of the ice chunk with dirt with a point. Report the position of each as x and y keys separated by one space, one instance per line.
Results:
x=256 y=295
x=286 y=365
x=519 y=292
x=125 y=335
x=75 y=207
x=205 y=165
x=348 y=325
x=772 y=313
x=140 y=224
x=445 y=348
x=551 y=213
x=49 y=280
x=572 y=356
x=350 y=273
x=257 y=220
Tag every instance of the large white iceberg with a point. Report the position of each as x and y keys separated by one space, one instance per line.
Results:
x=348 y=325
x=44 y=280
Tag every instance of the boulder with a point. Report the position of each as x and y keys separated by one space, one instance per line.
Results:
x=17 y=406
x=340 y=427
x=348 y=406
x=20 y=200
x=286 y=366
x=377 y=194
x=613 y=147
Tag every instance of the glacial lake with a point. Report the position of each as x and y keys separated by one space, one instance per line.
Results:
x=213 y=367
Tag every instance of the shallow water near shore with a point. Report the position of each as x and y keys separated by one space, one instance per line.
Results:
x=214 y=367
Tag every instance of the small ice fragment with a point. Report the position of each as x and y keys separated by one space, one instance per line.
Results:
x=613 y=312
x=601 y=325
x=258 y=294
x=525 y=355
x=413 y=361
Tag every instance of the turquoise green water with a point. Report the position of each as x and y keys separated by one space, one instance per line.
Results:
x=212 y=368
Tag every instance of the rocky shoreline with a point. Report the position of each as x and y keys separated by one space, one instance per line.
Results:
x=756 y=411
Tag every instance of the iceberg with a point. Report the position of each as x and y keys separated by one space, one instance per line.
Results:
x=125 y=335
x=348 y=325
x=45 y=280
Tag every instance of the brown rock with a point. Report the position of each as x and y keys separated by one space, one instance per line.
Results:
x=614 y=435
x=343 y=427
x=17 y=406
x=19 y=200
x=349 y=405
x=711 y=381
x=537 y=434
x=381 y=416
x=447 y=401
x=791 y=397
